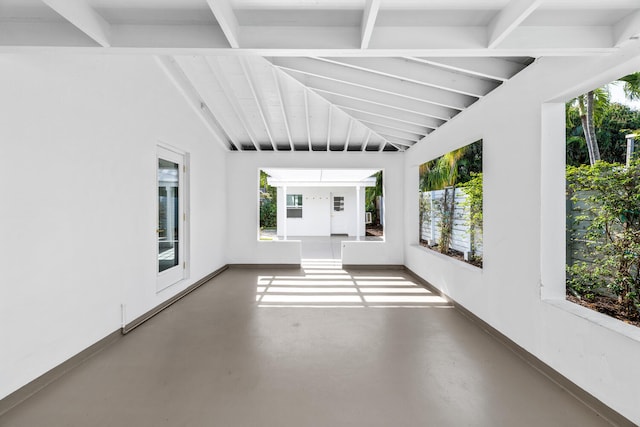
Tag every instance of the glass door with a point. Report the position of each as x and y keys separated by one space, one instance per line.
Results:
x=171 y=218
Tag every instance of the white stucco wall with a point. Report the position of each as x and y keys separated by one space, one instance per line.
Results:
x=242 y=202
x=78 y=135
x=520 y=291
x=317 y=211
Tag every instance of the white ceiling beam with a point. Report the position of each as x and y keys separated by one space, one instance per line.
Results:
x=198 y=39
x=503 y=24
x=366 y=140
x=490 y=68
x=323 y=99
x=214 y=66
x=428 y=37
x=306 y=116
x=389 y=122
x=84 y=17
x=423 y=121
x=283 y=108
x=413 y=130
x=626 y=28
x=195 y=101
x=369 y=16
x=378 y=82
x=396 y=142
x=346 y=143
x=226 y=17
x=376 y=97
x=384 y=99
x=424 y=74
x=329 y=126
x=396 y=134
x=363 y=116
x=584 y=39
x=244 y=64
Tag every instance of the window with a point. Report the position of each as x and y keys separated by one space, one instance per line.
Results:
x=338 y=203
x=172 y=217
x=294 y=205
x=450 y=203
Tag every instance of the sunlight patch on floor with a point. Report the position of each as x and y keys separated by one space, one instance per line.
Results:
x=322 y=283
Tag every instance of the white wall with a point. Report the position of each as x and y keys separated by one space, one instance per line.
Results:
x=242 y=202
x=520 y=182
x=78 y=138
x=317 y=211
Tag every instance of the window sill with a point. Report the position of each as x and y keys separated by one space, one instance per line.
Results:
x=613 y=324
x=457 y=262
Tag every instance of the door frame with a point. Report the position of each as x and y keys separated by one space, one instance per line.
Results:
x=180 y=272
x=342 y=213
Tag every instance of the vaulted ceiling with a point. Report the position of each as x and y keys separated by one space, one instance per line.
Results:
x=339 y=75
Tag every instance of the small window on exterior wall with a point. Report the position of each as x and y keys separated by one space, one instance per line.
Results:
x=450 y=197
x=338 y=203
x=294 y=205
x=603 y=207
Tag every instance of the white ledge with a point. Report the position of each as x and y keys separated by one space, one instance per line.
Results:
x=600 y=319
x=447 y=258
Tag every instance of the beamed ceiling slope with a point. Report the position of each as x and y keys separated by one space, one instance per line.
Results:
x=339 y=75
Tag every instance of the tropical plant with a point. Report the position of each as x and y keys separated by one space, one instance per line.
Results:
x=371 y=195
x=589 y=106
x=473 y=189
x=443 y=173
x=268 y=203
x=631 y=85
x=610 y=196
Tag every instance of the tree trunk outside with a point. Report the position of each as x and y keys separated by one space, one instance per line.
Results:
x=592 y=142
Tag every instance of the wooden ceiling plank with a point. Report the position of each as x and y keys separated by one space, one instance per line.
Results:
x=491 y=68
x=283 y=108
x=246 y=67
x=420 y=73
x=381 y=110
x=198 y=105
x=322 y=98
x=414 y=130
x=214 y=66
x=378 y=82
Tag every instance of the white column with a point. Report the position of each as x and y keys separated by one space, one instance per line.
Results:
x=358 y=212
x=630 y=147
x=284 y=221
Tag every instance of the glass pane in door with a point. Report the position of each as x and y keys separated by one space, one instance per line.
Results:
x=168 y=214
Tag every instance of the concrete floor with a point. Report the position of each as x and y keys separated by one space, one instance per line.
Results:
x=317 y=346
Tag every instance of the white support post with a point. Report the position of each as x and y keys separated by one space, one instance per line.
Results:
x=432 y=220
x=630 y=147
x=358 y=212
x=284 y=220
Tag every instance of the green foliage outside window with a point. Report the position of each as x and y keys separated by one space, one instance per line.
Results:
x=268 y=203
x=609 y=194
